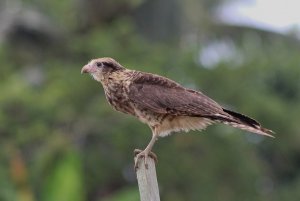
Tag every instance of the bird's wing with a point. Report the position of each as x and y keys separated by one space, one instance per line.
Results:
x=164 y=96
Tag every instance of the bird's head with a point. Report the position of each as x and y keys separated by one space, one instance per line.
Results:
x=100 y=68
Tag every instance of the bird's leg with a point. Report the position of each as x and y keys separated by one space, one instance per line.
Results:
x=147 y=152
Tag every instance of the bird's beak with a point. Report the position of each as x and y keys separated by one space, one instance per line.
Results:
x=86 y=69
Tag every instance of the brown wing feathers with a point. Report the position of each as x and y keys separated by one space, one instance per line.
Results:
x=243 y=118
x=165 y=96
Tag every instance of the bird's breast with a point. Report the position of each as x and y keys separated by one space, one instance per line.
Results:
x=149 y=117
x=117 y=96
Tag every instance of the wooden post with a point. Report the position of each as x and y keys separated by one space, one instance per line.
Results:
x=147 y=180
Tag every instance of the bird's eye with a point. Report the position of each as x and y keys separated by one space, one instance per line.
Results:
x=99 y=64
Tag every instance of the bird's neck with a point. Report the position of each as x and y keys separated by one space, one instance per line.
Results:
x=116 y=78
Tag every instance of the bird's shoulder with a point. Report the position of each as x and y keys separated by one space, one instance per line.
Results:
x=143 y=78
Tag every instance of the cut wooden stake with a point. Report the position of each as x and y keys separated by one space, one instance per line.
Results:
x=147 y=180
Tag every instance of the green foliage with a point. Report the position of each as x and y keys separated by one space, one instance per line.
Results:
x=59 y=139
x=65 y=181
x=130 y=194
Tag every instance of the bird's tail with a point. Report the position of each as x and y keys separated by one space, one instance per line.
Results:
x=243 y=122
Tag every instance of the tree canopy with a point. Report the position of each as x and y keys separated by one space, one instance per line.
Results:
x=60 y=140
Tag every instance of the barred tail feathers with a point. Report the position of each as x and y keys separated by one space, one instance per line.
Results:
x=243 y=122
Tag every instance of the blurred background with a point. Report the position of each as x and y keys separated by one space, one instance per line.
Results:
x=60 y=141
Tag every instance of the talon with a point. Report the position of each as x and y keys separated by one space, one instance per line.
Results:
x=139 y=154
x=137 y=151
x=153 y=156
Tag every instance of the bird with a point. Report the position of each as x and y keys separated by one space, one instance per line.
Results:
x=161 y=103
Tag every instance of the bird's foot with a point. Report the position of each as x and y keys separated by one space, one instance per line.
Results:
x=143 y=154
